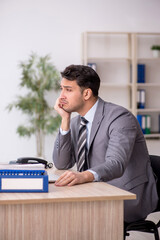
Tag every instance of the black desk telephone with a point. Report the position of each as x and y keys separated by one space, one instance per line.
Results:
x=32 y=160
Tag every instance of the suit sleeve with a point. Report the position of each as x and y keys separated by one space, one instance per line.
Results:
x=122 y=134
x=63 y=154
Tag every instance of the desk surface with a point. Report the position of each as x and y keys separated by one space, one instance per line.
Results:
x=83 y=192
x=87 y=211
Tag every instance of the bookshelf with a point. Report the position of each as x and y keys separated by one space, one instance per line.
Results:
x=116 y=56
x=112 y=63
x=142 y=43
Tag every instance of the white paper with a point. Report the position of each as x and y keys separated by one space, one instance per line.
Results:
x=22 y=184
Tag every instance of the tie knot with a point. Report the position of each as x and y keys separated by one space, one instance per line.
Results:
x=83 y=121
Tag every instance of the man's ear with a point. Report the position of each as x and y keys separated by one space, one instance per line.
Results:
x=87 y=93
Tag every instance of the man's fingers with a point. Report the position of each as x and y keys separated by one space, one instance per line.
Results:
x=73 y=182
x=64 y=179
x=72 y=178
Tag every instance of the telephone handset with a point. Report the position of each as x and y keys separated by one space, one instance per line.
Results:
x=33 y=160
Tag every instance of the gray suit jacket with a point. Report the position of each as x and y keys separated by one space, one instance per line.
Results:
x=117 y=152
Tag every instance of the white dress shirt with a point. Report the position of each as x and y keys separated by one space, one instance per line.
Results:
x=89 y=116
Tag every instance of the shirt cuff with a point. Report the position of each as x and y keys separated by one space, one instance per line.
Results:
x=96 y=177
x=63 y=132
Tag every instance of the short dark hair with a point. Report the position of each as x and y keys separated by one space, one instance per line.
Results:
x=85 y=77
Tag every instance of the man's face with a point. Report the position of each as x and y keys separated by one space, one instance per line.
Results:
x=71 y=97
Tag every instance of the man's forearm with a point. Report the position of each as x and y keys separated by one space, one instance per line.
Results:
x=62 y=154
x=65 y=124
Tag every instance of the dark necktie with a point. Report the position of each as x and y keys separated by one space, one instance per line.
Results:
x=82 y=141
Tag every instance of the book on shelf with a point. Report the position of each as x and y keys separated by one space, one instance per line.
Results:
x=141 y=98
x=145 y=123
x=141 y=73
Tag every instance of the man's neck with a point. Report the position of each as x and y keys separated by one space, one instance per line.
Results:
x=88 y=105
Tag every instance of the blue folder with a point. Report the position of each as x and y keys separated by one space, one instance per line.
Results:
x=12 y=180
x=141 y=73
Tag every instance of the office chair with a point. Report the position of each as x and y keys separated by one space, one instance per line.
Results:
x=147 y=225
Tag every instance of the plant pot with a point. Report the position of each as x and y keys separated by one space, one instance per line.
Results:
x=156 y=53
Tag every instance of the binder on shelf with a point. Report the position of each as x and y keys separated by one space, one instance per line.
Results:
x=145 y=123
x=139 y=118
x=138 y=98
x=92 y=65
x=12 y=180
x=141 y=73
x=142 y=122
x=148 y=124
x=141 y=98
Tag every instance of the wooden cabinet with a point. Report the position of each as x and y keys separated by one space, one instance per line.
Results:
x=116 y=57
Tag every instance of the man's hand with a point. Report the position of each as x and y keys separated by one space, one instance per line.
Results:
x=64 y=115
x=59 y=107
x=69 y=178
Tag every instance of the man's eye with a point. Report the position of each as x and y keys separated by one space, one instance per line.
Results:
x=69 y=90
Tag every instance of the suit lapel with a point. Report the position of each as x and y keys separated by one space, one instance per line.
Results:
x=77 y=130
x=99 y=114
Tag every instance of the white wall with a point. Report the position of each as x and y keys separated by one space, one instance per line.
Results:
x=55 y=27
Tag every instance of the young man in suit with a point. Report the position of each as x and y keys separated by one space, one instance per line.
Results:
x=115 y=148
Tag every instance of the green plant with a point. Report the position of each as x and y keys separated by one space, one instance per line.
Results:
x=39 y=76
x=155 y=47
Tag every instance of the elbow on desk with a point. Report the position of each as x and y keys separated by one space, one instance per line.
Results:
x=62 y=166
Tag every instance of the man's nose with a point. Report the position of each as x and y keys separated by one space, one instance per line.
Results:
x=62 y=95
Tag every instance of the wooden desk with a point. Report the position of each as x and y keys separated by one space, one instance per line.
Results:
x=92 y=211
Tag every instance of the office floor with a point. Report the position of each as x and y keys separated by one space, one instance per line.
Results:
x=145 y=236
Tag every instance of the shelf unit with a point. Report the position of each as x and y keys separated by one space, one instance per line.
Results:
x=116 y=56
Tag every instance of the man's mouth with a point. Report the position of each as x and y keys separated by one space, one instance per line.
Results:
x=63 y=103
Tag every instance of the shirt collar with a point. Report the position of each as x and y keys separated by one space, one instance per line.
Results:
x=90 y=114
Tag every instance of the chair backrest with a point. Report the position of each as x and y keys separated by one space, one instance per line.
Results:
x=155 y=163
